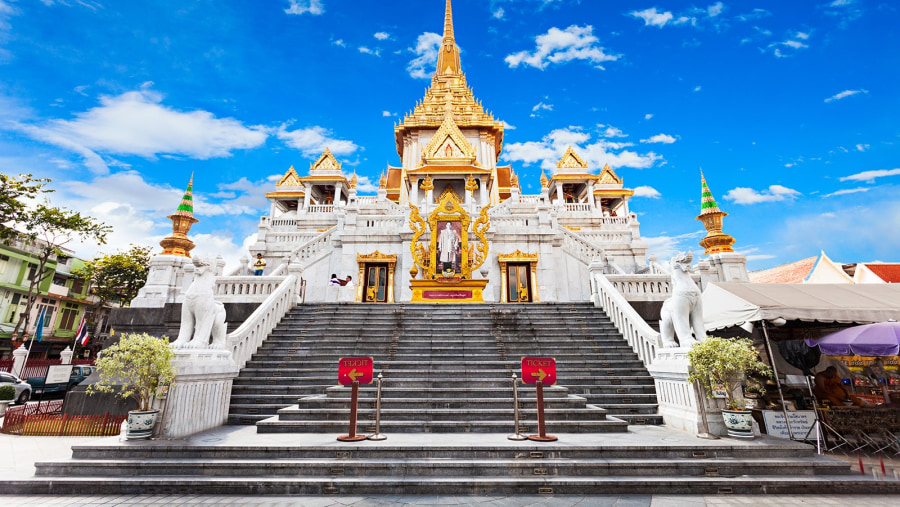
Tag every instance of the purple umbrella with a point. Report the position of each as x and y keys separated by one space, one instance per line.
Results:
x=879 y=339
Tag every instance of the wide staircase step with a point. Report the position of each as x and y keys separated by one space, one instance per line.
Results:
x=445 y=368
x=235 y=460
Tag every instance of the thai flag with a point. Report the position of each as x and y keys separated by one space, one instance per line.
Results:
x=39 y=328
x=81 y=336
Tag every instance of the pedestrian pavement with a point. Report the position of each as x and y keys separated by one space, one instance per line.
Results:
x=19 y=453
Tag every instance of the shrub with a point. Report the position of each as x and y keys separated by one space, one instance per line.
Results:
x=7 y=393
x=135 y=367
x=722 y=361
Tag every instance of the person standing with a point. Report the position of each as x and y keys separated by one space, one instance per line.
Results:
x=448 y=243
x=259 y=265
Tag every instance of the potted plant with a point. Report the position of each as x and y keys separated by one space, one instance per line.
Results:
x=7 y=396
x=136 y=367
x=722 y=363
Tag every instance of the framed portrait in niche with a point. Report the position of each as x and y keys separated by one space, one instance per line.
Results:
x=449 y=247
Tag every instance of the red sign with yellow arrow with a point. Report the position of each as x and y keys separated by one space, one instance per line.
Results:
x=352 y=369
x=541 y=369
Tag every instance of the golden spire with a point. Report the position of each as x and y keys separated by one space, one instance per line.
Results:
x=382 y=182
x=353 y=180
x=715 y=241
x=178 y=243
x=544 y=181
x=448 y=57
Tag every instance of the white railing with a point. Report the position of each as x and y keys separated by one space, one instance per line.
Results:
x=531 y=199
x=499 y=209
x=390 y=225
x=246 y=339
x=607 y=237
x=642 y=287
x=644 y=340
x=314 y=246
x=499 y=223
x=582 y=249
x=579 y=206
x=367 y=200
x=246 y=288
x=320 y=208
x=284 y=223
x=289 y=237
x=615 y=221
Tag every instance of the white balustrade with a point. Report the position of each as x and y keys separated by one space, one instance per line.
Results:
x=245 y=288
x=246 y=339
x=582 y=249
x=616 y=238
x=314 y=246
x=642 y=338
x=579 y=207
x=320 y=208
x=615 y=221
x=386 y=224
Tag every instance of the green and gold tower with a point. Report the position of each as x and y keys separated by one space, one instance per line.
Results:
x=715 y=241
x=178 y=243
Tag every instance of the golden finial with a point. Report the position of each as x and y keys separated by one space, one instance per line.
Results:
x=382 y=183
x=513 y=179
x=544 y=181
x=471 y=183
x=715 y=241
x=427 y=183
x=353 y=180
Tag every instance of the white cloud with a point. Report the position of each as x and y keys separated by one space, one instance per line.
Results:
x=552 y=146
x=426 y=51
x=648 y=116
x=368 y=51
x=715 y=9
x=610 y=131
x=647 y=191
x=659 y=138
x=775 y=193
x=313 y=7
x=793 y=44
x=386 y=114
x=312 y=141
x=754 y=14
x=862 y=147
x=507 y=126
x=697 y=88
x=339 y=43
x=382 y=35
x=848 y=191
x=652 y=17
x=665 y=247
x=136 y=123
x=498 y=14
x=561 y=46
x=870 y=176
x=844 y=94
x=541 y=106
x=365 y=185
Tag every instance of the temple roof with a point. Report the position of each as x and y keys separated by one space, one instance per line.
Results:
x=448 y=90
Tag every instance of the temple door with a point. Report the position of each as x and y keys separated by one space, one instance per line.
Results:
x=376 y=283
x=518 y=283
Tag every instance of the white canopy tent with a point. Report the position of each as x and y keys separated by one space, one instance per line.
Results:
x=734 y=303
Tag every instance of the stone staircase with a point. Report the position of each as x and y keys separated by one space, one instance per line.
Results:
x=446 y=368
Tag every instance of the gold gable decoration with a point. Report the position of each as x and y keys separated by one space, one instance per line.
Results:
x=448 y=191
x=448 y=145
x=290 y=179
x=571 y=160
x=609 y=177
x=326 y=162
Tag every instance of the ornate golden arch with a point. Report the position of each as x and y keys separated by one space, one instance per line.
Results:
x=448 y=209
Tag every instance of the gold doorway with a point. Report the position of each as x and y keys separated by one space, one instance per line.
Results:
x=376 y=277
x=518 y=277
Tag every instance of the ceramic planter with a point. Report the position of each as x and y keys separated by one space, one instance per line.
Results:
x=140 y=424
x=739 y=423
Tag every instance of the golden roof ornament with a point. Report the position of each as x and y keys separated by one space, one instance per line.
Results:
x=609 y=177
x=353 y=180
x=571 y=160
x=427 y=183
x=326 y=162
x=715 y=241
x=382 y=182
x=471 y=183
x=514 y=179
x=290 y=179
x=545 y=183
x=178 y=243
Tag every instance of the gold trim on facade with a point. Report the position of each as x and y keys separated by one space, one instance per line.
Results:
x=518 y=257
x=375 y=258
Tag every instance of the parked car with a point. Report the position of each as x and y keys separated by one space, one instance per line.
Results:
x=78 y=374
x=23 y=389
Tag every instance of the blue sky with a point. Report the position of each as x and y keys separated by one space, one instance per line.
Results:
x=790 y=108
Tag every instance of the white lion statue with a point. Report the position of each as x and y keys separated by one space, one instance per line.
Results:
x=684 y=310
x=201 y=315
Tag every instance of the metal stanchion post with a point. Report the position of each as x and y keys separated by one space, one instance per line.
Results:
x=516 y=435
x=542 y=435
x=354 y=398
x=378 y=435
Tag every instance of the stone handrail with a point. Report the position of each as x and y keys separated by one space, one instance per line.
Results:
x=289 y=237
x=581 y=248
x=645 y=287
x=643 y=339
x=615 y=221
x=246 y=339
x=392 y=224
x=518 y=221
x=246 y=288
x=320 y=208
x=315 y=245
x=579 y=206
x=534 y=199
x=608 y=237
x=284 y=223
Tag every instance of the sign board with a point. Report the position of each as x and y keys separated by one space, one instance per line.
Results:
x=355 y=368
x=801 y=422
x=539 y=368
x=58 y=374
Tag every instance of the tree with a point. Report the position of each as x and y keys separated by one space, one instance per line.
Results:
x=48 y=228
x=722 y=362
x=118 y=276
x=13 y=190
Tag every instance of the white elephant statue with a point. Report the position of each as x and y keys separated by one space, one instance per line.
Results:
x=683 y=312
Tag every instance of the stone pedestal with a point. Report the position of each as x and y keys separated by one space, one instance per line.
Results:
x=163 y=282
x=679 y=402
x=200 y=394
